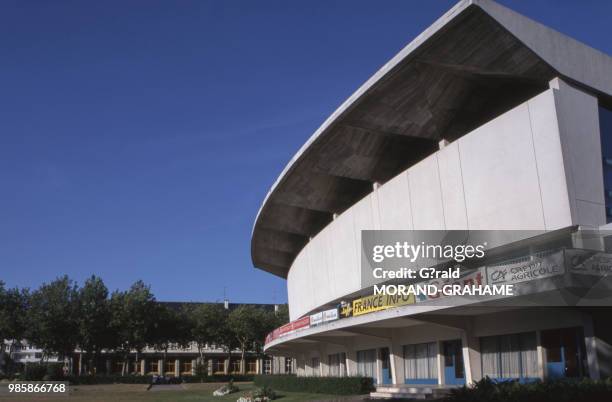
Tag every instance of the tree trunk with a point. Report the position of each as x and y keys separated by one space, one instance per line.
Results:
x=243 y=362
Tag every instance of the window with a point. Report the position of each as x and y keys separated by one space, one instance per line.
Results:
x=154 y=366
x=169 y=366
x=288 y=365
x=337 y=365
x=218 y=366
x=421 y=363
x=267 y=366
x=366 y=363
x=251 y=366
x=315 y=367
x=186 y=366
x=509 y=356
x=605 y=129
x=235 y=366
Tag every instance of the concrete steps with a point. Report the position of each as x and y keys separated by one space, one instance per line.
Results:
x=407 y=391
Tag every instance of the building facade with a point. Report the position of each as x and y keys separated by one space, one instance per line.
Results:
x=486 y=121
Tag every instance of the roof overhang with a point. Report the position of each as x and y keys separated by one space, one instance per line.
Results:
x=477 y=61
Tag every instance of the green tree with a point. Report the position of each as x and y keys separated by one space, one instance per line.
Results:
x=170 y=329
x=133 y=318
x=13 y=309
x=207 y=326
x=94 y=321
x=249 y=325
x=53 y=318
x=282 y=315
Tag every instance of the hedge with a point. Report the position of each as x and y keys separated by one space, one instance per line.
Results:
x=218 y=378
x=317 y=385
x=487 y=390
x=147 y=379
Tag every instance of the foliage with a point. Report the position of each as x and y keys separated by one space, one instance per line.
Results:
x=249 y=325
x=264 y=392
x=317 y=385
x=109 y=379
x=13 y=308
x=94 y=316
x=204 y=324
x=53 y=317
x=217 y=378
x=133 y=317
x=487 y=390
x=42 y=371
x=171 y=327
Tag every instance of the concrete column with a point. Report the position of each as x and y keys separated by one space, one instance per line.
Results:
x=590 y=342
x=177 y=368
x=227 y=366
x=160 y=367
x=397 y=361
x=143 y=367
x=441 y=378
x=194 y=363
x=471 y=356
x=541 y=352
x=351 y=362
x=108 y=366
x=209 y=367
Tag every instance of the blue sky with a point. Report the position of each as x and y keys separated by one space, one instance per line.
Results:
x=138 y=138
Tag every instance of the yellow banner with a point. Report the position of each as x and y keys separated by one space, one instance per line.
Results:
x=374 y=303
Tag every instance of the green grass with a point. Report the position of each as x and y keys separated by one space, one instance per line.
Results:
x=138 y=393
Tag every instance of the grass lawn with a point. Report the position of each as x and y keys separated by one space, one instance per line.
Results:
x=138 y=393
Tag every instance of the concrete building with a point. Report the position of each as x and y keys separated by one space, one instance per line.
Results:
x=486 y=121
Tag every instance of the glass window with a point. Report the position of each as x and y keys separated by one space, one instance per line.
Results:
x=421 y=361
x=288 y=365
x=366 y=363
x=509 y=356
x=605 y=129
x=337 y=365
x=267 y=366
x=315 y=366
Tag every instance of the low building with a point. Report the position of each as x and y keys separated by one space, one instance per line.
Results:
x=176 y=361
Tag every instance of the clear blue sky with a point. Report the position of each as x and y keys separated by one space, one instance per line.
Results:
x=138 y=138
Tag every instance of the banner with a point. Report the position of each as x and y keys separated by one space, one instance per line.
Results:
x=316 y=319
x=370 y=304
x=532 y=269
x=330 y=315
x=588 y=262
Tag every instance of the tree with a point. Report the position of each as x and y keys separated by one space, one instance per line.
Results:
x=171 y=327
x=13 y=309
x=249 y=325
x=207 y=326
x=282 y=315
x=53 y=318
x=133 y=316
x=94 y=321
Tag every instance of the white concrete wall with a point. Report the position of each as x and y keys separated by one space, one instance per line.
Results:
x=536 y=167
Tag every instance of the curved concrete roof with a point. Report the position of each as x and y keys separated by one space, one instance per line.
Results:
x=477 y=61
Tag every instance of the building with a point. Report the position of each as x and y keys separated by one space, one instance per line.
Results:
x=176 y=361
x=487 y=120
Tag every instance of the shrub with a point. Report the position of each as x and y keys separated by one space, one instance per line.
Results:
x=110 y=379
x=34 y=372
x=264 y=392
x=540 y=391
x=217 y=378
x=317 y=385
